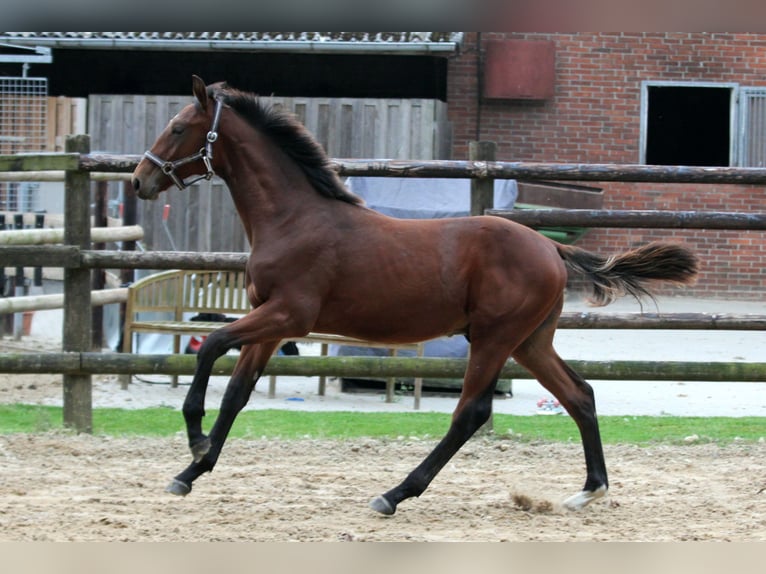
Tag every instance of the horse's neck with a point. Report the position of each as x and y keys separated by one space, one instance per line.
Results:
x=269 y=192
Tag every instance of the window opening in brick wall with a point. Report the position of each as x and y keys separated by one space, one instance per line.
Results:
x=688 y=124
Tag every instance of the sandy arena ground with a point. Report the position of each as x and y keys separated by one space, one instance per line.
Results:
x=58 y=486
x=55 y=487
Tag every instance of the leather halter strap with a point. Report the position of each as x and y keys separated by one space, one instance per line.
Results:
x=205 y=154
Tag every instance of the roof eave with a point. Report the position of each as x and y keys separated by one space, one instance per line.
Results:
x=274 y=46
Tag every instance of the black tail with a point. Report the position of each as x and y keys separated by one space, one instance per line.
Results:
x=631 y=273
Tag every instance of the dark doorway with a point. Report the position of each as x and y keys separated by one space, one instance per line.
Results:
x=688 y=126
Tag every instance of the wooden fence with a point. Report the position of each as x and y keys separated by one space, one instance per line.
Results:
x=78 y=363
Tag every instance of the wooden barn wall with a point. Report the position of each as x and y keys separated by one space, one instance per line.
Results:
x=203 y=217
x=66 y=116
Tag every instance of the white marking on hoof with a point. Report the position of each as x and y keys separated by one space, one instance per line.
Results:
x=584 y=498
x=380 y=504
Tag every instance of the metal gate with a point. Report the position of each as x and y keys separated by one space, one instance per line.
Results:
x=752 y=127
x=23 y=121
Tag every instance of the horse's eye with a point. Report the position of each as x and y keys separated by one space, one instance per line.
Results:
x=177 y=129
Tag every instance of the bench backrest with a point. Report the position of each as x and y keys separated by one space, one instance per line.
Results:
x=188 y=291
x=215 y=292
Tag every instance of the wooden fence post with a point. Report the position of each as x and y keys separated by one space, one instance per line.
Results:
x=482 y=189
x=78 y=392
x=482 y=199
x=5 y=320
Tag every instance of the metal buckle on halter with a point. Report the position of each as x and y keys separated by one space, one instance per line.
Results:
x=208 y=166
x=167 y=167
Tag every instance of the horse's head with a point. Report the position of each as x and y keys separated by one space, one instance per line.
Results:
x=183 y=152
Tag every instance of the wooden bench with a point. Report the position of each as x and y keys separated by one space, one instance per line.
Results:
x=179 y=293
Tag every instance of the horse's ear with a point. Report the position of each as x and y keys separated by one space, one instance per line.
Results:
x=200 y=91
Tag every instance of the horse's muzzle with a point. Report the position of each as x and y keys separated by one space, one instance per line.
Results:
x=145 y=189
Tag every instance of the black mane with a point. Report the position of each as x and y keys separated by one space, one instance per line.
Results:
x=293 y=138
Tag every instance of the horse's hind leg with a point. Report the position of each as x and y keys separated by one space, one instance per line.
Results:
x=472 y=411
x=250 y=365
x=537 y=355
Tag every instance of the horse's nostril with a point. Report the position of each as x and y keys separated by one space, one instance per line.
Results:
x=136 y=183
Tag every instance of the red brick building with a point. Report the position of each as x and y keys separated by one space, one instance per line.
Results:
x=669 y=98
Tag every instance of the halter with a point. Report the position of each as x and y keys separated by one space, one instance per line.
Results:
x=205 y=154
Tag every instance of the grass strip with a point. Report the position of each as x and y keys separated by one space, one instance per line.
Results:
x=256 y=424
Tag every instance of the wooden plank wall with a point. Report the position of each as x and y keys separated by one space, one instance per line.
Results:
x=66 y=116
x=373 y=128
x=203 y=218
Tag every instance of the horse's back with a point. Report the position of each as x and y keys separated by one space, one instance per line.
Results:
x=428 y=277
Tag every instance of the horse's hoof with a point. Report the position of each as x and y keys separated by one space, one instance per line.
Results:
x=584 y=498
x=380 y=504
x=200 y=449
x=178 y=488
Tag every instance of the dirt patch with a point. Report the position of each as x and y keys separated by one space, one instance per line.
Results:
x=64 y=487
x=35 y=389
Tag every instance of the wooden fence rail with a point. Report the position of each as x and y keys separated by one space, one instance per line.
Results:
x=645 y=219
x=77 y=363
x=375 y=367
x=522 y=171
x=56 y=301
x=56 y=235
x=532 y=218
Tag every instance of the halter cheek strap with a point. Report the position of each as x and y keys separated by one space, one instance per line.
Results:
x=205 y=154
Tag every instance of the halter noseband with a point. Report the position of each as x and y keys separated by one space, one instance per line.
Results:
x=205 y=154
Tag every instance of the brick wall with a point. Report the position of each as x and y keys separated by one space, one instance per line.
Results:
x=594 y=117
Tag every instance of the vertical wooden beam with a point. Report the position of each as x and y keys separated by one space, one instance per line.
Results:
x=129 y=217
x=6 y=321
x=98 y=276
x=19 y=283
x=78 y=395
x=482 y=190
x=37 y=277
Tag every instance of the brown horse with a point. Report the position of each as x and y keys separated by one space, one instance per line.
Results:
x=323 y=262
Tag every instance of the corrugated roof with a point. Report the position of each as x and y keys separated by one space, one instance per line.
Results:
x=403 y=42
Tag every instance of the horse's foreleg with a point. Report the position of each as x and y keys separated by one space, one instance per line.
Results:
x=259 y=332
x=473 y=410
x=252 y=361
x=576 y=396
x=212 y=348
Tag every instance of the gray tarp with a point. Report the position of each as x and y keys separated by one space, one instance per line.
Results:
x=416 y=198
